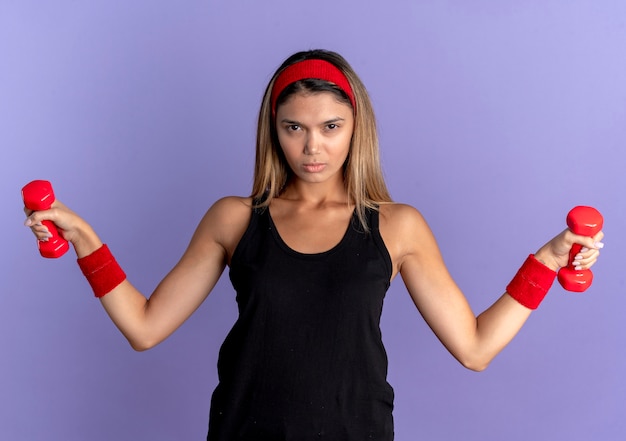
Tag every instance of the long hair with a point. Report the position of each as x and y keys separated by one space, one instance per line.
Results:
x=363 y=176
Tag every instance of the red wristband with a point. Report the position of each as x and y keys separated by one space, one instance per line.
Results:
x=102 y=271
x=531 y=283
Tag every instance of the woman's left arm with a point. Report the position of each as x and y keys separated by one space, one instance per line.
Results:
x=473 y=340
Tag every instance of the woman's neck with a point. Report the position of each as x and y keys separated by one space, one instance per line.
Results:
x=316 y=194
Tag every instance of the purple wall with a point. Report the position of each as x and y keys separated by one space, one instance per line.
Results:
x=495 y=118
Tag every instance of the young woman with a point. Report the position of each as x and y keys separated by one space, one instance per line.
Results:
x=311 y=254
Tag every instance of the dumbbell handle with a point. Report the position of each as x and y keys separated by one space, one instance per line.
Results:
x=584 y=221
x=38 y=195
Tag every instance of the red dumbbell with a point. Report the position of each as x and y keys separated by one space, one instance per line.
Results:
x=38 y=195
x=584 y=221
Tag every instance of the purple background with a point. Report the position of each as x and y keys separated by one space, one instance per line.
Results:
x=495 y=119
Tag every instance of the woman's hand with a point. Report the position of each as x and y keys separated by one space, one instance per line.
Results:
x=71 y=227
x=555 y=253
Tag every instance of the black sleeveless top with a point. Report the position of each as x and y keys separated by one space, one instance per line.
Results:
x=305 y=359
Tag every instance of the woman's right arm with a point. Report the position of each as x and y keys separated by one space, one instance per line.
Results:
x=145 y=322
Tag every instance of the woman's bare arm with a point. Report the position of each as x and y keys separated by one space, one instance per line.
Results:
x=473 y=341
x=146 y=322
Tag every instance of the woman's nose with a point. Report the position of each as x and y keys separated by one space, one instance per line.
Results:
x=311 y=146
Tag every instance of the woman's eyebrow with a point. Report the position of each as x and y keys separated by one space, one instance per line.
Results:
x=334 y=120
x=289 y=121
x=330 y=121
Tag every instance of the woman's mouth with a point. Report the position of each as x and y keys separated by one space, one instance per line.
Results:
x=314 y=168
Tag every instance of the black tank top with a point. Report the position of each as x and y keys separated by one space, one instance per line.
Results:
x=305 y=359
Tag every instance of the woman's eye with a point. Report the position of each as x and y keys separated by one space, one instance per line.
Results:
x=332 y=126
x=293 y=127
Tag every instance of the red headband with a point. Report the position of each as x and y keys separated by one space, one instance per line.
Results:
x=317 y=69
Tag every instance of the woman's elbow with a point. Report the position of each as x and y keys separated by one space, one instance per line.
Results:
x=476 y=367
x=142 y=344
x=476 y=364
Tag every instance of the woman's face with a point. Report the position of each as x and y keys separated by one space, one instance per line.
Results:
x=314 y=131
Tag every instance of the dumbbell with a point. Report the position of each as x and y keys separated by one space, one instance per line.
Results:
x=38 y=195
x=584 y=221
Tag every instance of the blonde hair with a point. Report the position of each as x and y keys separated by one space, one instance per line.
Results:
x=363 y=176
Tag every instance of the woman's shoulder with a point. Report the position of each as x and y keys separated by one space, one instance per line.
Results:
x=232 y=203
x=402 y=227
x=226 y=220
x=399 y=214
x=229 y=211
